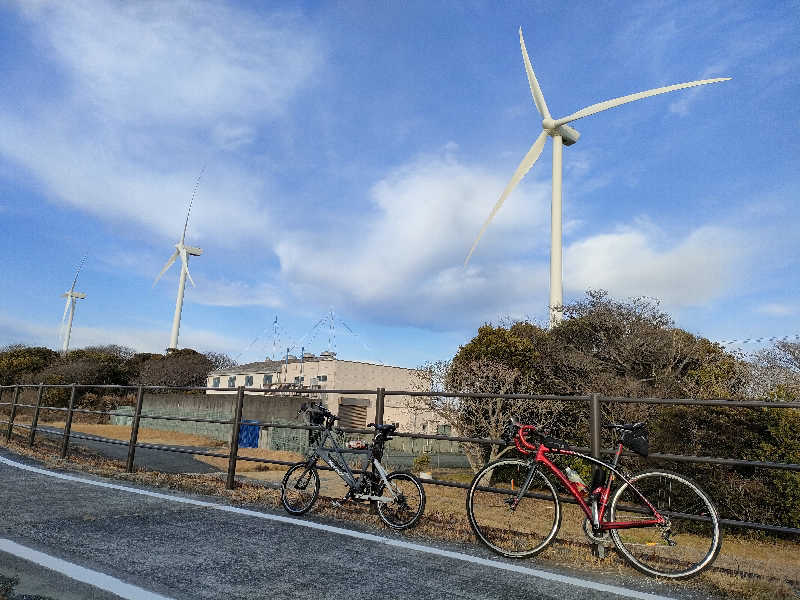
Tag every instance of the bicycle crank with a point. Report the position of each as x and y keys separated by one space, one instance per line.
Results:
x=603 y=538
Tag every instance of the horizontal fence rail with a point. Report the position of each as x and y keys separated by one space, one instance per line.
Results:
x=593 y=400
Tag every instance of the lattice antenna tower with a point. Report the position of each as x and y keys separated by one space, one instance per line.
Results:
x=332 y=331
x=275 y=338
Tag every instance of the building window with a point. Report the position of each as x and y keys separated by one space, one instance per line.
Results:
x=248 y=381
x=267 y=381
x=443 y=430
x=299 y=380
x=215 y=382
x=232 y=381
x=322 y=378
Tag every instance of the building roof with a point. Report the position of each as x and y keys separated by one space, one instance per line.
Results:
x=273 y=366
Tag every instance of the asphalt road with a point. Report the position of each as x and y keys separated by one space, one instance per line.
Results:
x=183 y=546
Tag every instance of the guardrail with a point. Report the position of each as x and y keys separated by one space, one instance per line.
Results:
x=593 y=400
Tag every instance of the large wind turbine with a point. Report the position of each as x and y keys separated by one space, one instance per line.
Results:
x=562 y=134
x=72 y=297
x=184 y=251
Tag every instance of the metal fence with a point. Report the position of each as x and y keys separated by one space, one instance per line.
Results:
x=592 y=401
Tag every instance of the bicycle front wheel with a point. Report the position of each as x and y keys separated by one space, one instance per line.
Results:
x=300 y=488
x=684 y=546
x=509 y=528
x=407 y=507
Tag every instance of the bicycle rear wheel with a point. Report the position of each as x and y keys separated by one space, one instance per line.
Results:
x=300 y=488
x=514 y=531
x=686 y=545
x=407 y=508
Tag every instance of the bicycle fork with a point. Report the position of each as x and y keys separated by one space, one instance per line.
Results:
x=514 y=501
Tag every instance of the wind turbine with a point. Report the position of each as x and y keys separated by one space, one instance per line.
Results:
x=184 y=251
x=72 y=296
x=562 y=134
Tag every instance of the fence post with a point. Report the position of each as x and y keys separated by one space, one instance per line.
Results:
x=35 y=420
x=380 y=399
x=13 y=413
x=594 y=427
x=594 y=421
x=68 y=424
x=134 y=430
x=229 y=484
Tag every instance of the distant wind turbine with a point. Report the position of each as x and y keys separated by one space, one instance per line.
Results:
x=184 y=251
x=562 y=134
x=72 y=297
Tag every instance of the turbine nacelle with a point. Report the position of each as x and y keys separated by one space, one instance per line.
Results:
x=191 y=250
x=71 y=294
x=568 y=134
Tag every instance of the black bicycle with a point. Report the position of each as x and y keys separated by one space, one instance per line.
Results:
x=398 y=497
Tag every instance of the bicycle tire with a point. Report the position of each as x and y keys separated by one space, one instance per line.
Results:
x=296 y=499
x=683 y=549
x=515 y=532
x=408 y=508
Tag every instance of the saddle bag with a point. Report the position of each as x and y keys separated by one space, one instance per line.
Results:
x=636 y=440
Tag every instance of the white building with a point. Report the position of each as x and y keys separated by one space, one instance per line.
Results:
x=326 y=372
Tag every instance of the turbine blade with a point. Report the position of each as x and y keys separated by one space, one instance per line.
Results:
x=186 y=224
x=194 y=192
x=66 y=308
x=536 y=91
x=601 y=106
x=166 y=266
x=185 y=261
x=527 y=162
x=80 y=266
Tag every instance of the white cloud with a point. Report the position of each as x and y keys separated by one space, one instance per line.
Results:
x=233 y=293
x=143 y=340
x=404 y=257
x=176 y=61
x=778 y=309
x=146 y=93
x=632 y=262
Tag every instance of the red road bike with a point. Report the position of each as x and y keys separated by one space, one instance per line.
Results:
x=662 y=523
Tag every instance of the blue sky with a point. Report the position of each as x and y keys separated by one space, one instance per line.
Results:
x=353 y=150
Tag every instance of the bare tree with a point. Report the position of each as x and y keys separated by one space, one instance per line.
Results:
x=774 y=373
x=472 y=417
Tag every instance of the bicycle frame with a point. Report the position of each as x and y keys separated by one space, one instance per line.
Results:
x=323 y=452
x=596 y=512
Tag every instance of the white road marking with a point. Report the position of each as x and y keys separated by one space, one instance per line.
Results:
x=82 y=574
x=573 y=581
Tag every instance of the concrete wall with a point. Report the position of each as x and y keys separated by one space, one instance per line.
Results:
x=206 y=406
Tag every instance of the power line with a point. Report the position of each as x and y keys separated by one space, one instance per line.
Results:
x=761 y=340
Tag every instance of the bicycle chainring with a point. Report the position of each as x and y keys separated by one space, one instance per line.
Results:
x=603 y=538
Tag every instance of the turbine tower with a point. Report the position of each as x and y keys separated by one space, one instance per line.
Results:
x=72 y=297
x=184 y=251
x=562 y=134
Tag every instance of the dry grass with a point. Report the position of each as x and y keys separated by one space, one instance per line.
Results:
x=147 y=436
x=246 y=466
x=773 y=562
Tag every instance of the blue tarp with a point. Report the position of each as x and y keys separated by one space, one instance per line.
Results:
x=248 y=435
